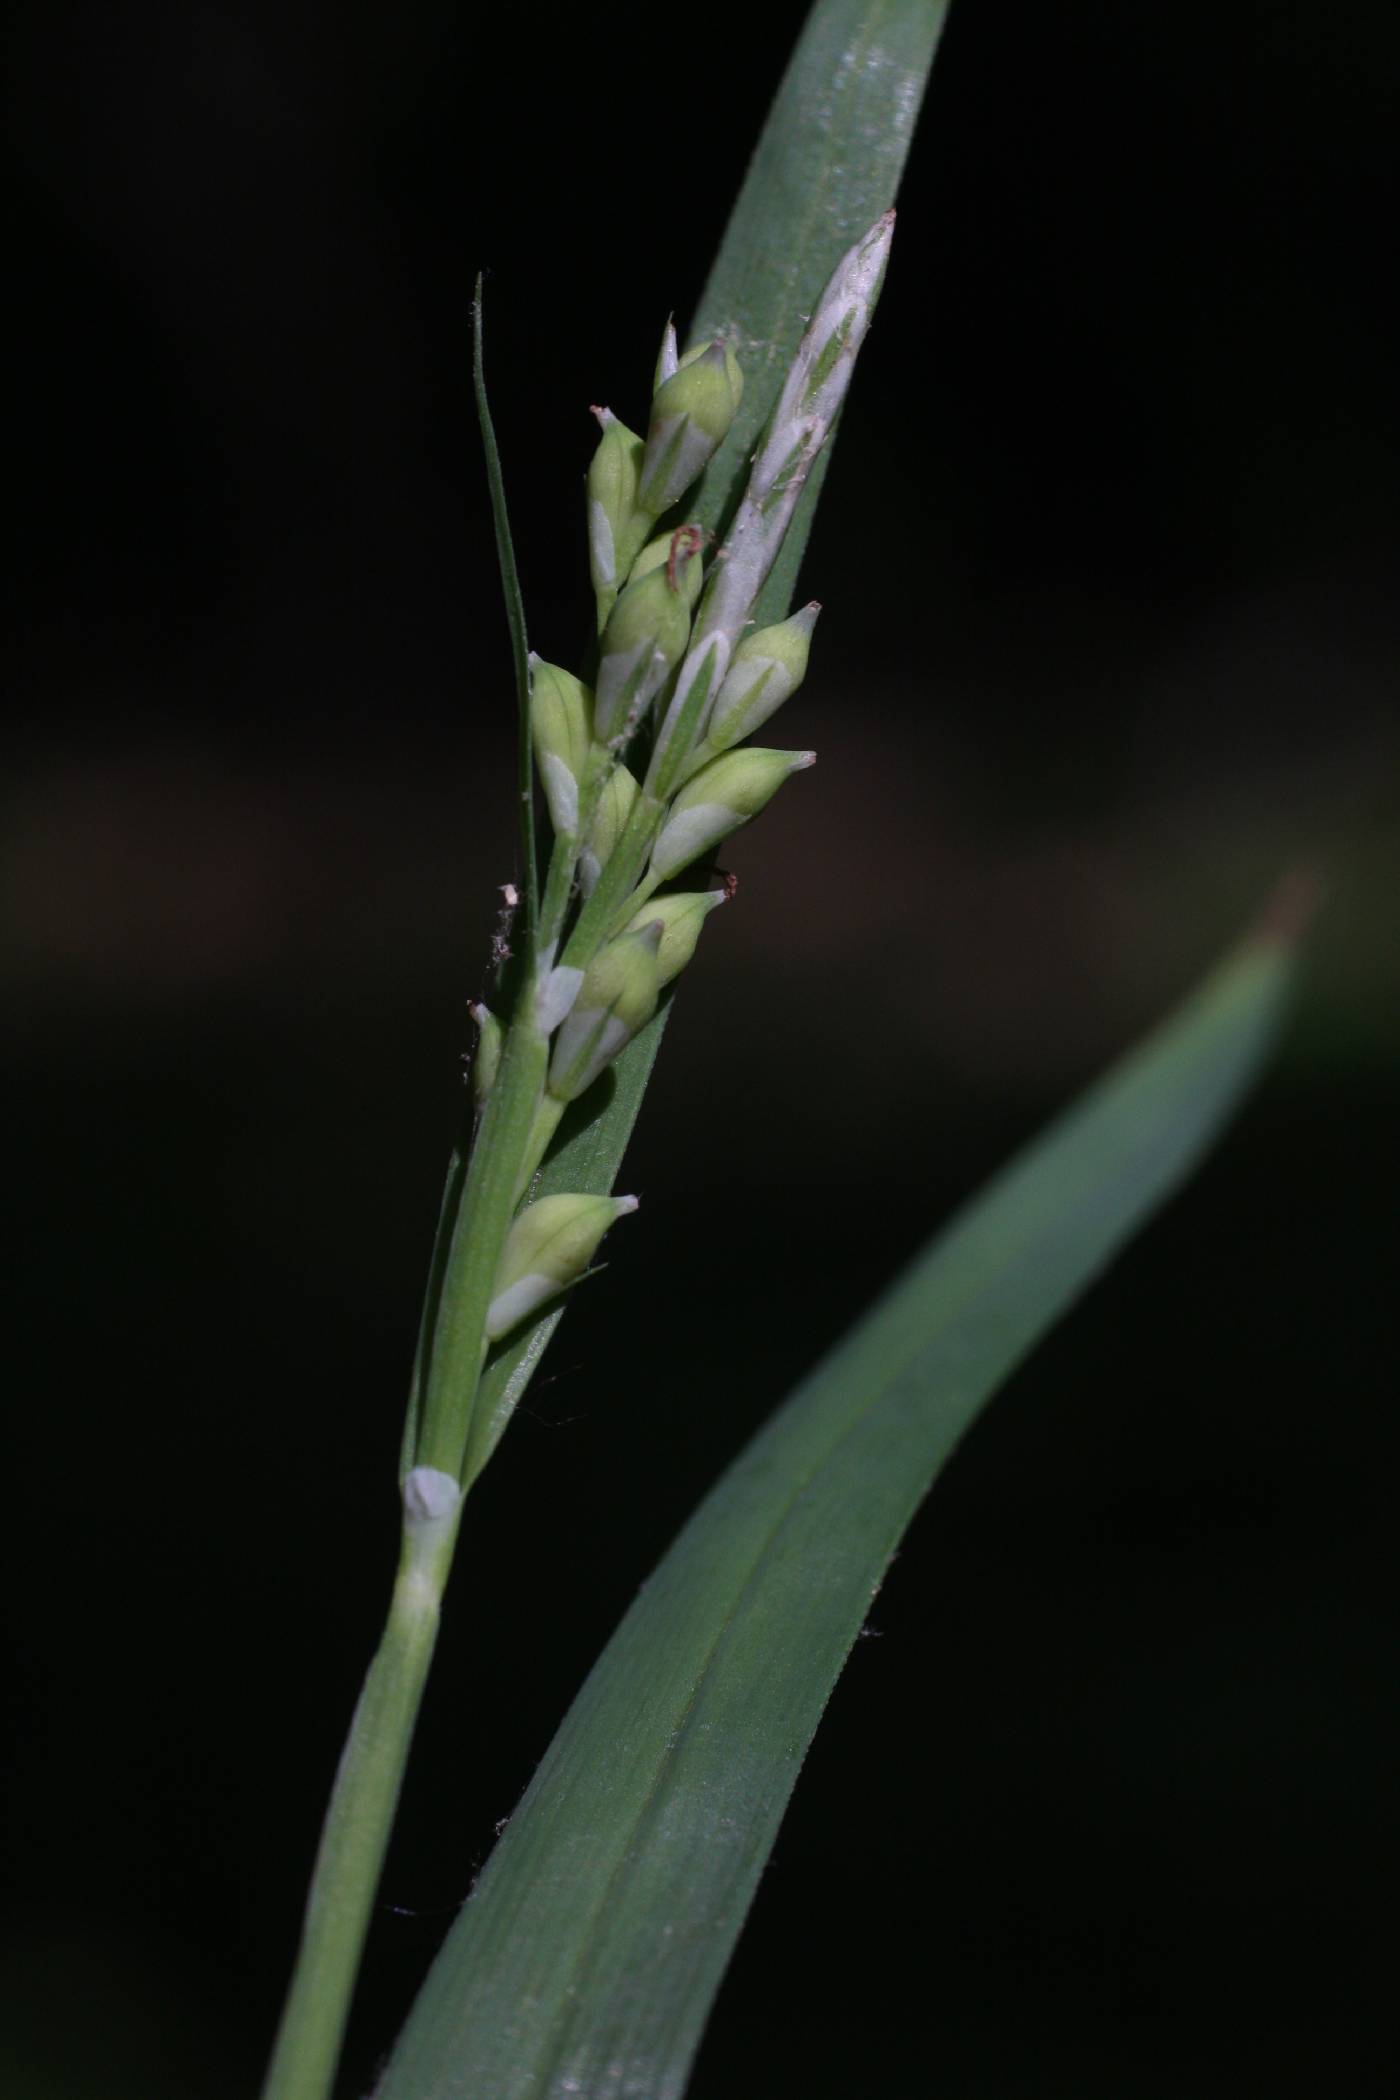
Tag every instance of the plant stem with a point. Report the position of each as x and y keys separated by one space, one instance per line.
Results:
x=476 y=1217
x=563 y=861
x=471 y=1234
x=625 y=863
x=355 y=1835
x=474 y=1252
x=641 y=895
x=547 y=1119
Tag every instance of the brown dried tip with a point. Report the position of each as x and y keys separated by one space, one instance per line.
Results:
x=1292 y=908
x=687 y=540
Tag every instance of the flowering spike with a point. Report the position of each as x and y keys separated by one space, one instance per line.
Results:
x=720 y=797
x=680 y=917
x=561 y=717
x=548 y=1248
x=617 y=997
x=690 y=417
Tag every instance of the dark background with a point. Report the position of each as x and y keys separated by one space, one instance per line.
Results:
x=1110 y=641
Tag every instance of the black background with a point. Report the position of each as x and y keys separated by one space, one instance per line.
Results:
x=1110 y=640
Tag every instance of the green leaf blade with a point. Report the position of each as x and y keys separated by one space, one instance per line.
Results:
x=515 y=620
x=590 y=1952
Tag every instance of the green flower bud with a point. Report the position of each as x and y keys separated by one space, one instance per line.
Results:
x=616 y=526
x=644 y=640
x=556 y=988
x=690 y=416
x=764 y=671
x=548 y=1248
x=609 y=823
x=617 y=997
x=680 y=917
x=717 y=800
x=486 y=1063
x=689 y=573
x=561 y=712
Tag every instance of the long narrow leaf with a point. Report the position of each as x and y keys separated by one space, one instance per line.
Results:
x=515 y=619
x=588 y=1956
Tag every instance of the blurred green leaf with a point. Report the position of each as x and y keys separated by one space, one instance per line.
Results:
x=589 y=1953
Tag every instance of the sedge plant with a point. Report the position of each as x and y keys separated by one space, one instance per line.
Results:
x=646 y=770
x=595 y=1939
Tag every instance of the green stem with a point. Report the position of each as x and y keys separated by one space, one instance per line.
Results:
x=366 y=1790
x=676 y=739
x=478 y=1234
x=616 y=883
x=564 y=855
x=563 y=860
x=547 y=1119
x=432 y=1300
x=645 y=889
x=355 y=1835
x=481 y=1200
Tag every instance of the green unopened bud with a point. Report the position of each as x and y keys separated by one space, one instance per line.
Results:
x=609 y=822
x=487 y=1061
x=548 y=1248
x=644 y=639
x=764 y=671
x=680 y=917
x=676 y=551
x=690 y=416
x=561 y=714
x=617 y=997
x=616 y=525
x=721 y=796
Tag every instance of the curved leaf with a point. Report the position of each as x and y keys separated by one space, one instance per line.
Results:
x=589 y=1953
